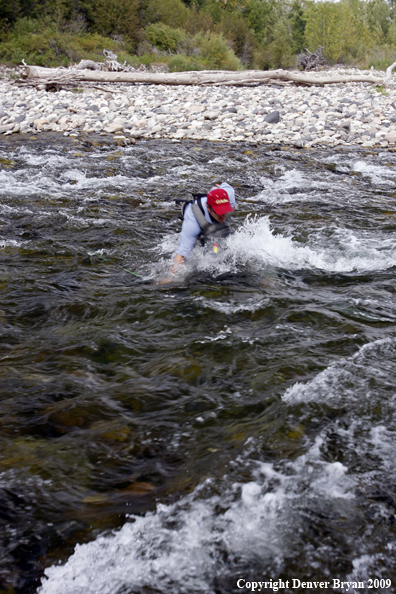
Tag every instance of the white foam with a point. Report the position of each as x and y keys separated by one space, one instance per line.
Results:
x=370 y=567
x=378 y=174
x=47 y=160
x=255 y=242
x=382 y=441
x=347 y=379
x=183 y=547
x=230 y=307
x=222 y=335
x=177 y=548
x=5 y=243
x=91 y=222
x=326 y=479
x=291 y=186
x=90 y=183
x=25 y=184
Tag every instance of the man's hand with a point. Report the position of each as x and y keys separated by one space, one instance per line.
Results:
x=174 y=269
x=177 y=262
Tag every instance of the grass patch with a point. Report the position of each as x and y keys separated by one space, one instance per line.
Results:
x=381 y=89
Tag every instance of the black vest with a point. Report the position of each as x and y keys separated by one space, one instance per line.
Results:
x=209 y=231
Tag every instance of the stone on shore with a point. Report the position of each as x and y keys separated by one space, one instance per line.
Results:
x=116 y=126
x=273 y=117
x=391 y=137
x=211 y=115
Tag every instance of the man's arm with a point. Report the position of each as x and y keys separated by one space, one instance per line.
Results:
x=189 y=233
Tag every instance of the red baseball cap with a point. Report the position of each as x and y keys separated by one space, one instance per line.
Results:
x=219 y=201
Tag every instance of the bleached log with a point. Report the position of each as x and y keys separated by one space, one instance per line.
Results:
x=388 y=74
x=203 y=77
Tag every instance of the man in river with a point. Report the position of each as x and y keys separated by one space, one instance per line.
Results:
x=204 y=217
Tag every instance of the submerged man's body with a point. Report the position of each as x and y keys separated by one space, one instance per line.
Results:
x=219 y=201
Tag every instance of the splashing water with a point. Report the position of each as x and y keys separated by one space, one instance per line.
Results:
x=237 y=423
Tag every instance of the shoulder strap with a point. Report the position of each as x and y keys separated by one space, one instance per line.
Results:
x=184 y=203
x=199 y=202
x=199 y=215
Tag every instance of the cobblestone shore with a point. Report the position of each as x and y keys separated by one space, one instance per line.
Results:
x=331 y=115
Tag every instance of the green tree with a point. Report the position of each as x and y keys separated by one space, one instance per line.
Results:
x=378 y=18
x=235 y=29
x=280 y=49
x=261 y=16
x=332 y=26
x=170 y=12
x=116 y=17
x=297 y=22
x=232 y=5
x=215 y=52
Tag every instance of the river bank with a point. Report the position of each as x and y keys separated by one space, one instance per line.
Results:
x=339 y=114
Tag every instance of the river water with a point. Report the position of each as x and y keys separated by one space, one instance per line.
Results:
x=236 y=424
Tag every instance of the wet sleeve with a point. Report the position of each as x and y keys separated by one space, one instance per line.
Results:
x=189 y=233
x=230 y=191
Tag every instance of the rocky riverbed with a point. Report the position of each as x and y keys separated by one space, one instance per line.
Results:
x=339 y=114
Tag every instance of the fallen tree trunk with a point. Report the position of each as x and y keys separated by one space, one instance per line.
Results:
x=204 y=77
x=388 y=74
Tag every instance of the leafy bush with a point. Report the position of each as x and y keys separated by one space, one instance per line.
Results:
x=205 y=50
x=182 y=63
x=379 y=57
x=391 y=37
x=215 y=53
x=173 y=13
x=163 y=37
x=41 y=43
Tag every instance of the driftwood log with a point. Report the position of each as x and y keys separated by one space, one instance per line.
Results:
x=59 y=76
x=310 y=61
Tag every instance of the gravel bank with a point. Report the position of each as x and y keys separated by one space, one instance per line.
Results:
x=341 y=114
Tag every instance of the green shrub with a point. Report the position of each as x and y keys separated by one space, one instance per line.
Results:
x=261 y=59
x=173 y=13
x=163 y=37
x=182 y=63
x=215 y=53
x=235 y=29
x=379 y=56
x=147 y=59
x=391 y=37
x=94 y=44
x=42 y=44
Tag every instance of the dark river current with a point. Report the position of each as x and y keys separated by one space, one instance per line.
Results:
x=236 y=425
